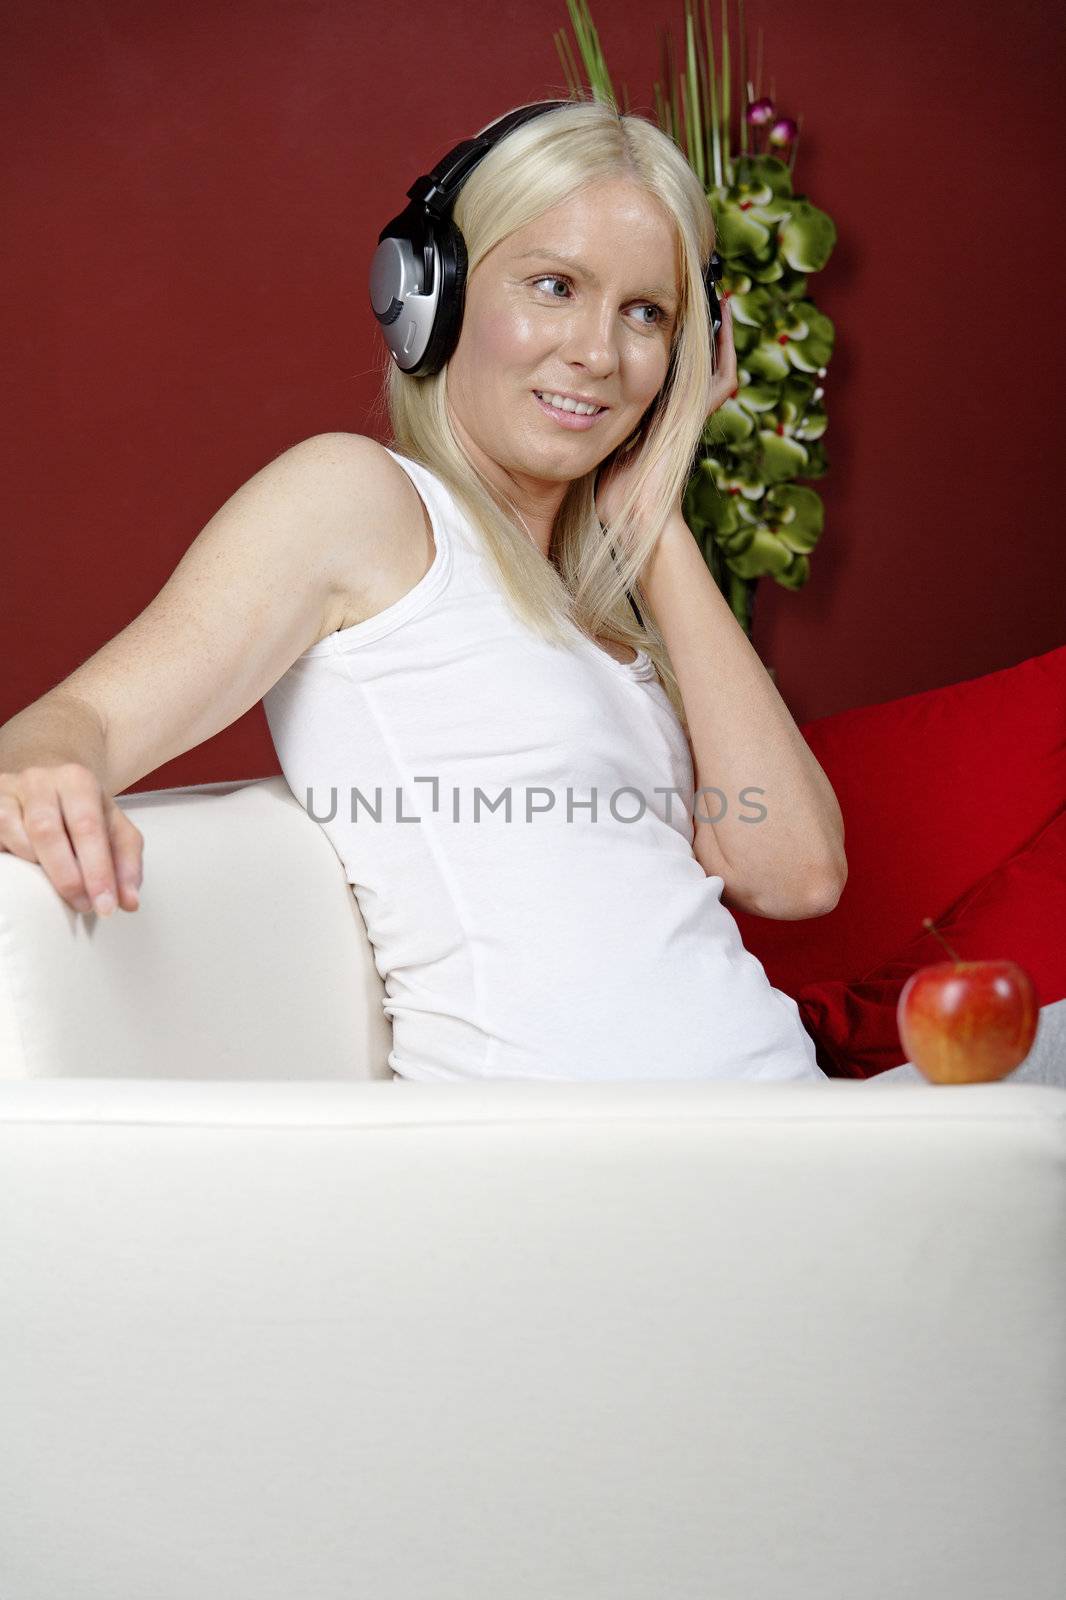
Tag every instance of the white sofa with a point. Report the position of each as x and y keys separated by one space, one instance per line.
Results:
x=272 y=1330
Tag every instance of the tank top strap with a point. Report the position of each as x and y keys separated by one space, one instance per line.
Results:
x=449 y=519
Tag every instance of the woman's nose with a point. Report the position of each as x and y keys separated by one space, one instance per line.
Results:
x=593 y=339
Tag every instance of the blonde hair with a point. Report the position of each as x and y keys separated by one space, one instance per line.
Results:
x=530 y=170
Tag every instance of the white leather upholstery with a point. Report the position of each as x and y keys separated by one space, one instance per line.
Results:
x=269 y=1340
x=247 y=958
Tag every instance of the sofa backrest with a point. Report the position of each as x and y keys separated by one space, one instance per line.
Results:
x=247 y=958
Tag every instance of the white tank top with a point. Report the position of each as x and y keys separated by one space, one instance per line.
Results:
x=453 y=758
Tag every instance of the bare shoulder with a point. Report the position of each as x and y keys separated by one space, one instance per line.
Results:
x=352 y=459
x=382 y=530
x=281 y=564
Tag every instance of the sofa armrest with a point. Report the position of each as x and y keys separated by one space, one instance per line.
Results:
x=248 y=956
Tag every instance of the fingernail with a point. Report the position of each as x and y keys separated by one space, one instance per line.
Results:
x=131 y=890
x=104 y=903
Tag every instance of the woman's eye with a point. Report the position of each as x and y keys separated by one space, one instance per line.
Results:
x=549 y=278
x=644 y=305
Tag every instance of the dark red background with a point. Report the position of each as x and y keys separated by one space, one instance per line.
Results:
x=193 y=194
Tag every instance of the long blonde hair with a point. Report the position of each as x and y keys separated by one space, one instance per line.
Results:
x=530 y=170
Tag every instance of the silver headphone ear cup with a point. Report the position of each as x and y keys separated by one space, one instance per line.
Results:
x=404 y=312
x=419 y=321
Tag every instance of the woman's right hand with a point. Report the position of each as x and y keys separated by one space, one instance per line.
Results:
x=61 y=817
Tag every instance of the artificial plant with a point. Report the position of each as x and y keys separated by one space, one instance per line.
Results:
x=750 y=516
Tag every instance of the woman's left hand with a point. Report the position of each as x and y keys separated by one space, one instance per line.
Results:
x=614 y=482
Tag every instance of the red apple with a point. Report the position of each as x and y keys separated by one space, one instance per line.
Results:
x=967 y=1021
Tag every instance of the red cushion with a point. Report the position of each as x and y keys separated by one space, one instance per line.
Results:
x=936 y=789
x=1013 y=914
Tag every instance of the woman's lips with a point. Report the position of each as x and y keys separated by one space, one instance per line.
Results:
x=570 y=419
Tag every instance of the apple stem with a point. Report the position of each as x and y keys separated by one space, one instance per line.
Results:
x=927 y=922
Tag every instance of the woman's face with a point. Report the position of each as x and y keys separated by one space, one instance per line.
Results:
x=583 y=301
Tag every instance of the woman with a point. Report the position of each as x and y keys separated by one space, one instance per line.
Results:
x=505 y=759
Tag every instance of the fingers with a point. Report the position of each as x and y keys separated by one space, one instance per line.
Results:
x=65 y=822
x=60 y=817
x=127 y=849
x=724 y=378
x=727 y=350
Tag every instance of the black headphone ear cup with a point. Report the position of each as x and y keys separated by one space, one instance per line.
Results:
x=451 y=298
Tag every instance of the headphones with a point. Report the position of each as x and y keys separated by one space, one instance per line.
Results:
x=418 y=274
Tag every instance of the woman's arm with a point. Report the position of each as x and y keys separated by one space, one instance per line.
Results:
x=788 y=863
x=261 y=582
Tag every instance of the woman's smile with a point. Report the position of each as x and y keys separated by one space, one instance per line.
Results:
x=576 y=420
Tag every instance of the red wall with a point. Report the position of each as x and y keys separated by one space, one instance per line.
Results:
x=194 y=192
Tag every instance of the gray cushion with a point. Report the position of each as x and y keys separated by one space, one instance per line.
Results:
x=1045 y=1063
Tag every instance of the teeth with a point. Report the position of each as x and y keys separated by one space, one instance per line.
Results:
x=560 y=404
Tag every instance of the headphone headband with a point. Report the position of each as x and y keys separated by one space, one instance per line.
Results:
x=438 y=189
